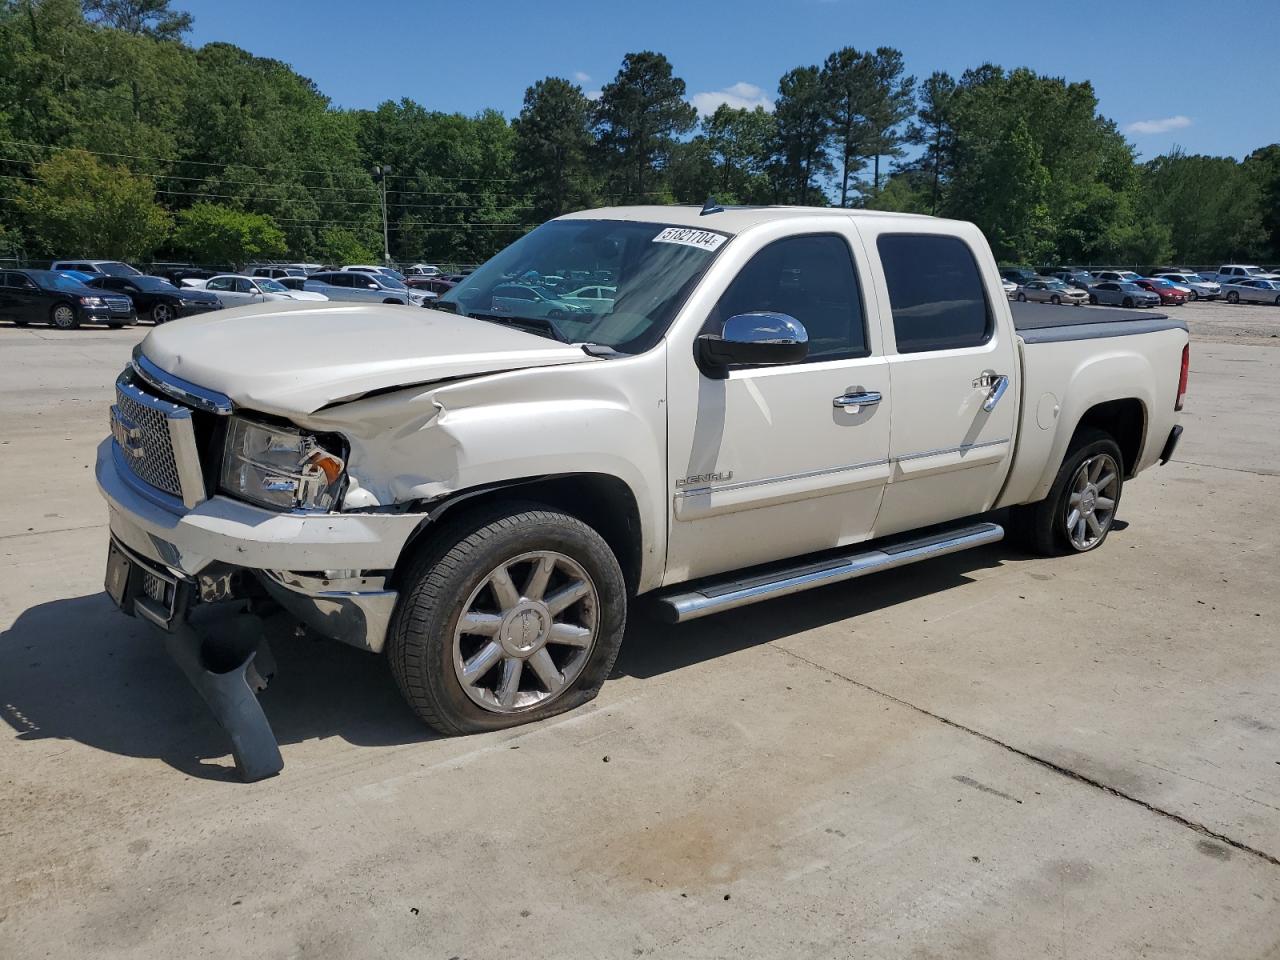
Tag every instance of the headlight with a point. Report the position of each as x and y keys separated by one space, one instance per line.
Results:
x=280 y=467
x=91 y=301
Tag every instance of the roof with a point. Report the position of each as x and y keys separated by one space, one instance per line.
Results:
x=731 y=219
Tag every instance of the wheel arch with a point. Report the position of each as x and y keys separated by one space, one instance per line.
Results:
x=1125 y=420
x=603 y=502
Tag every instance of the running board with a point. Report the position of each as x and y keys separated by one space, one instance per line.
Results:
x=677 y=607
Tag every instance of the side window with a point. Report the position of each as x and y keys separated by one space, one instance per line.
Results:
x=8 y=280
x=245 y=286
x=219 y=283
x=935 y=292
x=810 y=278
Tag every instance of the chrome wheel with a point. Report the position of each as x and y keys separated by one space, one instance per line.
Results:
x=1091 y=507
x=161 y=313
x=518 y=647
x=64 y=318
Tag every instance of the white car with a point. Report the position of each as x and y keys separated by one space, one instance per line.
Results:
x=480 y=496
x=1253 y=291
x=234 y=290
x=423 y=270
x=1010 y=288
x=367 y=287
x=384 y=271
x=1197 y=287
x=1235 y=272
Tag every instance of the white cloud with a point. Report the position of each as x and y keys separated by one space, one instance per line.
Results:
x=582 y=77
x=1163 y=125
x=593 y=94
x=739 y=95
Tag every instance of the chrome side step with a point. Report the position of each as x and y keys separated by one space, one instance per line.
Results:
x=687 y=604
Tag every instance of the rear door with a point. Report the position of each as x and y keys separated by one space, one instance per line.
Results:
x=26 y=301
x=953 y=373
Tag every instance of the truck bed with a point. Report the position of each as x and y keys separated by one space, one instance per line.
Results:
x=1046 y=323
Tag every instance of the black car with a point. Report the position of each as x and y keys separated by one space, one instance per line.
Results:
x=159 y=299
x=42 y=296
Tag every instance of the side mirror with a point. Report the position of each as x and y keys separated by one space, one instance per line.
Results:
x=753 y=338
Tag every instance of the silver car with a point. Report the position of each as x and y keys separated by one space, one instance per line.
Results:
x=362 y=287
x=1253 y=291
x=1046 y=290
x=1121 y=294
x=526 y=300
x=1201 y=289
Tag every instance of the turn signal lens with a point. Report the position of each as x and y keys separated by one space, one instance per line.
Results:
x=1182 y=376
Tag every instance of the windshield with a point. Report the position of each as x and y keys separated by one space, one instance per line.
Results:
x=113 y=268
x=271 y=286
x=153 y=284
x=1055 y=285
x=645 y=271
x=391 y=283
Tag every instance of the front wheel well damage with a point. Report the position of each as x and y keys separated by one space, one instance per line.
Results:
x=603 y=502
x=1126 y=422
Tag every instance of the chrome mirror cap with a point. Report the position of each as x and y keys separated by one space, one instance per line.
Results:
x=765 y=327
x=754 y=338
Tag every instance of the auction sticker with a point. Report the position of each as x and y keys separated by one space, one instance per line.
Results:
x=687 y=236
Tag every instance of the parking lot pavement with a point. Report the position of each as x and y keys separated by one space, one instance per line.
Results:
x=987 y=755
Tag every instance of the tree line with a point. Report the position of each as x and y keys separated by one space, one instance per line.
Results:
x=117 y=138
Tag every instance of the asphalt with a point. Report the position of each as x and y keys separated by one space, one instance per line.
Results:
x=989 y=755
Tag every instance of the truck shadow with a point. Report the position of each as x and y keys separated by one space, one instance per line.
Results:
x=76 y=669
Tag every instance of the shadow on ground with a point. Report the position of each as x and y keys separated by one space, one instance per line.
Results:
x=77 y=669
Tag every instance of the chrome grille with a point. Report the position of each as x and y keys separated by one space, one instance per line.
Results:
x=118 y=304
x=155 y=442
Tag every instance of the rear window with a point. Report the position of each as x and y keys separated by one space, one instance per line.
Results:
x=935 y=292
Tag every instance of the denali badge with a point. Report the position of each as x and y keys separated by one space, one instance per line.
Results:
x=702 y=478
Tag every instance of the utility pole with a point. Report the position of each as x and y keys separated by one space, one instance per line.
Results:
x=380 y=177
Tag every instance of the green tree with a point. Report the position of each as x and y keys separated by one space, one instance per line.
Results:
x=553 y=144
x=740 y=146
x=803 y=131
x=932 y=129
x=1263 y=168
x=891 y=104
x=338 y=245
x=847 y=81
x=151 y=18
x=80 y=205
x=213 y=234
x=638 y=118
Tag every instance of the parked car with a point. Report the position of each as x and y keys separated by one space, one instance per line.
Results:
x=78 y=276
x=114 y=268
x=1010 y=288
x=235 y=290
x=1122 y=294
x=275 y=271
x=1199 y=287
x=530 y=302
x=158 y=299
x=179 y=274
x=722 y=439
x=422 y=270
x=1235 y=272
x=1170 y=294
x=1115 y=276
x=435 y=285
x=593 y=295
x=1051 y=290
x=46 y=296
x=1080 y=279
x=367 y=287
x=384 y=271
x=1018 y=275
x=1253 y=291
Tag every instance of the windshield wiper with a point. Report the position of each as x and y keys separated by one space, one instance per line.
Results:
x=539 y=326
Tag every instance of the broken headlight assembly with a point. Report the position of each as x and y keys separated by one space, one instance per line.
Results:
x=282 y=467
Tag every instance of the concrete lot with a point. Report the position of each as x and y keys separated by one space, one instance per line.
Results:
x=986 y=756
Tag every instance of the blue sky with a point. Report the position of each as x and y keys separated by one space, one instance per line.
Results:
x=1167 y=73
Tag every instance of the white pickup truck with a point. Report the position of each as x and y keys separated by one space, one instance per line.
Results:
x=763 y=400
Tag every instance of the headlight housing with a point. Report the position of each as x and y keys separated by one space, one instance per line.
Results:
x=280 y=467
x=91 y=301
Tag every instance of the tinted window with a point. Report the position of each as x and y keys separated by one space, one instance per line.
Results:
x=935 y=293
x=809 y=278
x=244 y=286
x=219 y=283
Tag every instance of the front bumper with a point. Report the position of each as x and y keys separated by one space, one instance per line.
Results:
x=328 y=570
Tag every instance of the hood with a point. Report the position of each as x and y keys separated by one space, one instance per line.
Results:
x=292 y=358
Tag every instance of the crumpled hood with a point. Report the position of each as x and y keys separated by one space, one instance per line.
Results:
x=290 y=357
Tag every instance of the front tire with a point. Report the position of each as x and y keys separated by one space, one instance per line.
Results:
x=1022 y=298
x=1081 y=506
x=161 y=313
x=1233 y=297
x=512 y=615
x=64 y=317
x=1056 y=300
x=1193 y=296
x=1093 y=299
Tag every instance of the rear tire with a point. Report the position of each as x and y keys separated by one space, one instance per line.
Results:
x=1043 y=527
x=472 y=615
x=1056 y=300
x=1193 y=296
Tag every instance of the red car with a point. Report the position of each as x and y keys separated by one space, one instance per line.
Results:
x=1169 y=293
x=437 y=285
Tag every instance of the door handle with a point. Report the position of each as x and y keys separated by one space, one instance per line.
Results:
x=999 y=384
x=846 y=400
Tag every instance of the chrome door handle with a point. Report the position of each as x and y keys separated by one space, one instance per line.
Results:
x=999 y=384
x=846 y=400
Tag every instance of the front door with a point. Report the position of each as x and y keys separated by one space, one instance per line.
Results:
x=954 y=374
x=778 y=461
